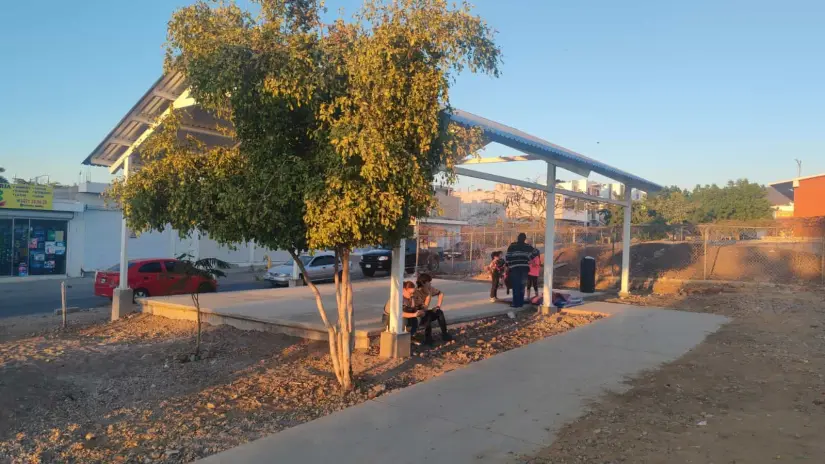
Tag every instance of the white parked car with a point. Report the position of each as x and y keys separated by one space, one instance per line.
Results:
x=320 y=267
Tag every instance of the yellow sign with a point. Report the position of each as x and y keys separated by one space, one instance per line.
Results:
x=26 y=196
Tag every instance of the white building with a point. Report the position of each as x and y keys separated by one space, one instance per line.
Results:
x=78 y=233
x=616 y=190
x=481 y=206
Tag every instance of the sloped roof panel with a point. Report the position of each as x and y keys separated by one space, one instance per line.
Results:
x=551 y=152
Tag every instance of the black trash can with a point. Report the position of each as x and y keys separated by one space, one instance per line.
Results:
x=587 y=280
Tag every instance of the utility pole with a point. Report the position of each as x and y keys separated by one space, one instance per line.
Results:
x=798 y=167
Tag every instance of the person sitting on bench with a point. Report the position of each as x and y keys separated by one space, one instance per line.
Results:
x=409 y=311
x=421 y=299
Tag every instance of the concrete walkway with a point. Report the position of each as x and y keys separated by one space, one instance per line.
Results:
x=496 y=410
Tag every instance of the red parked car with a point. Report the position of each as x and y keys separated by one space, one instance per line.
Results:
x=152 y=277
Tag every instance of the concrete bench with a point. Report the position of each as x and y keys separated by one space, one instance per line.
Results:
x=363 y=335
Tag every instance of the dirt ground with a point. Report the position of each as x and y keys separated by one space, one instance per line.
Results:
x=127 y=391
x=784 y=263
x=754 y=392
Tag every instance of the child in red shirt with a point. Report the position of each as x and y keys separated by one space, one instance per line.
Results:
x=533 y=276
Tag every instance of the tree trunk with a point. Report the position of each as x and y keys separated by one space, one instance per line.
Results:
x=63 y=301
x=339 y=334
x=345 y=310
x=344 y=325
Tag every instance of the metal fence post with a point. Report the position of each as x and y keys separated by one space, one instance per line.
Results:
x=63 y=301
x=453 y=246
x=612 y=251
x=472 y=254
x=705 y=261
x=823 y=260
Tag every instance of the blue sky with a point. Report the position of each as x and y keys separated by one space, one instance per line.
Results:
x=680 y=93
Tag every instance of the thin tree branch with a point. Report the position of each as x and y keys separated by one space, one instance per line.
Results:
x=318 y=301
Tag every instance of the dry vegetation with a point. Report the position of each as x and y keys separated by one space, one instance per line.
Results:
x=126 y=391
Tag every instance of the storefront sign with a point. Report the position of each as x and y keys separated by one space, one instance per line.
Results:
x=26 y=196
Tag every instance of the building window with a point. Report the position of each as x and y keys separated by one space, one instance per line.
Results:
x=47 y=247
x=32 y=247
x=6 y=228
x=20 y=248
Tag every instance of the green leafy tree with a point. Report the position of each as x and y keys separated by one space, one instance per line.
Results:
x=672 y=206
x=739 y=200
x=3 y=180
x=613 y=215
x=338 y=130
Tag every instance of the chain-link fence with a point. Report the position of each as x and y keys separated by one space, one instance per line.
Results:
x=775 y=253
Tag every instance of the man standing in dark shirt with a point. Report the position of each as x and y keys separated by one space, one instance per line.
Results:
x=518 y=259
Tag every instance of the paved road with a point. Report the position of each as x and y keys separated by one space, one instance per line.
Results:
x=43 y=296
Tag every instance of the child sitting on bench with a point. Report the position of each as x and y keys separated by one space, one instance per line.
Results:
x=409 y=311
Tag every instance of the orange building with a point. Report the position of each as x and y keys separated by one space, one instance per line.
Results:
x=806 y=194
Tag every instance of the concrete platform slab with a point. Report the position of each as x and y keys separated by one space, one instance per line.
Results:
x=293 y=310
x=498 y=409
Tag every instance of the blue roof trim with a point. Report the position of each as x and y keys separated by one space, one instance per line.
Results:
x=527 y=143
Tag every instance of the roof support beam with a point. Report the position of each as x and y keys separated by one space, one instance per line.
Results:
x=532 y=185
x=181 y=102
x=164 y=95
x=204 y=131
x=500 y=159
x=499 y=179
x=143 y=119
x=121 y=141
x=586 y=197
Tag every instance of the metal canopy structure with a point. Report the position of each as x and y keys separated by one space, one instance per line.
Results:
x=555 y=156
x=538 y=149
x=170 y=93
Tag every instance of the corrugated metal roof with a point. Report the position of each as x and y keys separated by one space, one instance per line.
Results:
x=170 y=86
x=562 y=157
x=137 y=120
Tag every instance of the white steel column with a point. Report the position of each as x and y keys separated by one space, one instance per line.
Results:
x=172 y=239
x=395 y=341
x=549 y=238
x=296 y=271
x=196 y=240
x=396 y=288
x=628 y=212
x=124 y=235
